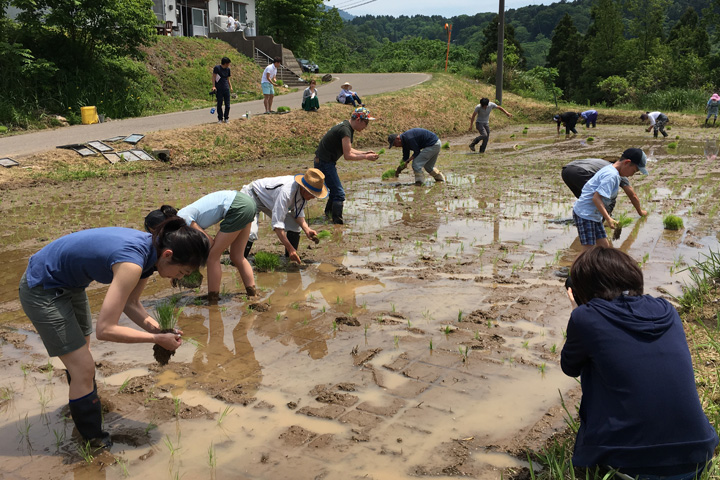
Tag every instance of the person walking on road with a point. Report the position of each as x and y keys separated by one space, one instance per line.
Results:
x=221 y=86
x=657 y=121
x=482 y=124
x=268 y=83
x=425 y=147
x=336 y=143
x=284 y=199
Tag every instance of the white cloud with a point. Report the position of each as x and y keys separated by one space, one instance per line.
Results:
x=446 y=8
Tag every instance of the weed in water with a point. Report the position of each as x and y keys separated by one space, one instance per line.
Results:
x=673 y=222
x=85 y=450
x=266 y=262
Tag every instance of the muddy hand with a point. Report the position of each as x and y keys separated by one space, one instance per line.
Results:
x=315 y=239
x=295 y=258
x=169 y=341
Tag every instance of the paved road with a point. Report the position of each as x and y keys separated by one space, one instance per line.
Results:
x=364 y=83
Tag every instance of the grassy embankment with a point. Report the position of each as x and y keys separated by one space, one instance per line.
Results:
x=442 y=105
x=701 y=319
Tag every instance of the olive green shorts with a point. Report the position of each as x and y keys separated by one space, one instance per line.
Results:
x=60 y=315
x=239 y=215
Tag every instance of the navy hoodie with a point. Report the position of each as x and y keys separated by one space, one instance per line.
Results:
x=640 y=407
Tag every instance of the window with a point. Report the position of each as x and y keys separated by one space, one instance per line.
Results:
x=235 y=9
x=158 y=9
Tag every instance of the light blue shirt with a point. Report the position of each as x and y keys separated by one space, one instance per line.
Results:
x=208 y=210
x=605 y=182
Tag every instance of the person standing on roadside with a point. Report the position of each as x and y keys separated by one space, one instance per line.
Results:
x=657 y=121
x=268 y=83
x=52 y=294
x=221 y=86
x=336 y=143
x=482 y=124
x=425 y=147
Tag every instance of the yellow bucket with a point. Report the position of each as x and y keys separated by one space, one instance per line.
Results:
x=89 y=115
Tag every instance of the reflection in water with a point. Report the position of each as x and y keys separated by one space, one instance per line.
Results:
x=711 y=149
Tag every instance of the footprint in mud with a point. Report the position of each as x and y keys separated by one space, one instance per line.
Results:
x=259 y=306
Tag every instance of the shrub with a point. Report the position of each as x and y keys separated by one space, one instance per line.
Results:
x=673 y=222
x=266 y=262
x=283 y=109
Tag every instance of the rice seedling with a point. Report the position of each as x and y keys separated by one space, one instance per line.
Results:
x=123 y=466
x=367 y=327
x=278 y=317
x=24 y=428
x=622 y=221
x=396 y=341
x=392 y=307
x=465 y=353
x=388 y=174
x=85 y=450
x=460 y=316
x=526 y=344
x=381 y=151
x=266 y=262
x=431 y=345
x=591 y=139
x=173 y=448
x=212 y=456
x=542 y=368
x=6 y=393
x=176 y=405
x=447 y=330
x=334 y=326
x=672 y=145
x=25 y=369
x=283 y=109
x=124 y=385
x=553 y=349
x=446 y=145
x=673 y=222
x=338 y=300
x=149 y=427
x=167 y=315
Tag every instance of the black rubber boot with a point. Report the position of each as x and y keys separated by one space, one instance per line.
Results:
x=294 y=239
x=337 y=213
x=86 y=413
x=248 y=247
x=328 y=208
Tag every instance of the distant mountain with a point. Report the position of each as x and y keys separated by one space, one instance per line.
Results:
x=343 y=14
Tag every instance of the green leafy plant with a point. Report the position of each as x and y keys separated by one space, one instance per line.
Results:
x=266 y=262
x=388 y=174
x=672 y=145
x=283 y=109
x=382 y=150
x=673 y=222
x=446 y=145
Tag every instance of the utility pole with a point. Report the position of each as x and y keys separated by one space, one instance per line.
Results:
x=448 y=27
x=500 y=53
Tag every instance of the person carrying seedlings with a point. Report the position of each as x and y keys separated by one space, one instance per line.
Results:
x=712 y=108
x=657 y=122
x=425 y=147
x=268 y=83
x=310 y=101
x=640 y=413
x=589 y=116
x=221 y=86
x=284 y=199
x=589 y=210
x=52 y=294
x=569 y=119
x=577 y=173
x=482 y=124
x=234 y=211
x=347 y=96
x=336 y=143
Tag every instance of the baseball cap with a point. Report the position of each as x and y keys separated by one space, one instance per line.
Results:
x=638 y=157
x=361 y=113
x=391 y=139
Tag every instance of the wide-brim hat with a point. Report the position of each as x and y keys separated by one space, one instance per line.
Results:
x=346 y=84
x=313 y=181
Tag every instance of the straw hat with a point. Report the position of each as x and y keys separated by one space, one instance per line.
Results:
x=313 y=181
x=346 y=84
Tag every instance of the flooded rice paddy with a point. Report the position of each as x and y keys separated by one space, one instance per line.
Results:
x=420 y=339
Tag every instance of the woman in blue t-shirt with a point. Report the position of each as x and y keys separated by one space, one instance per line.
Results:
x=52 y=294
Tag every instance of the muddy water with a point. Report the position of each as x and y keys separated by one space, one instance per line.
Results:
x=422 y=338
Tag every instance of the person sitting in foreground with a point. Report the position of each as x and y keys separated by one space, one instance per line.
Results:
x=347 y=96
x=310 y=102
x=640 y=413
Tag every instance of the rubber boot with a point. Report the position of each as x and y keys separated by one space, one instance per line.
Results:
x=437 y=175
x=419 y=178
x=337 y=213
x=248 y=247
x=294 y=239
x=86 y=413
x=328 y=208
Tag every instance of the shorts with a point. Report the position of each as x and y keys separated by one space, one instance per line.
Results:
x=268 y=88
x=60 y=315
x=588 y=230
x=239 y=215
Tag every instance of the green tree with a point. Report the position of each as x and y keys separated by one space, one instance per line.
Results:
x=566 y=53
x=489 y=46
x=333 y=52
x=294 y=23
x=647 y=24
x=689 y=36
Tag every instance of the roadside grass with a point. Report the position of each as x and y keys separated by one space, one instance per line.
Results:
x=701 y=320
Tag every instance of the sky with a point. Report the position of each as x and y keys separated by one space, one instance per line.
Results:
x=446 y=8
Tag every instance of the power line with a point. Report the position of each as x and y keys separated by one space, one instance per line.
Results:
x=362 y=2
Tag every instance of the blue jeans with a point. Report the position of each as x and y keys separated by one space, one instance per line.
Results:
x=332 y=180
x=223 y=96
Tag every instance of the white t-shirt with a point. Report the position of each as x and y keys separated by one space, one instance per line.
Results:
x=230 y=24
x=269 y=72
x=278 y=197
x=653 y=117
x=483 y=114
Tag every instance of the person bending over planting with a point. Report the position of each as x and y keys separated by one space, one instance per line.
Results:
x=337 y=143
x=657 y=121
x=52 y=294
x=234 y=211
x=589 y=210
x=425 y=147
x=640 y=413
x=284 y=200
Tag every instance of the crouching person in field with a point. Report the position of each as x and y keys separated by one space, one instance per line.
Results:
x=425 y=148
x=284 y=200
x=640 y=413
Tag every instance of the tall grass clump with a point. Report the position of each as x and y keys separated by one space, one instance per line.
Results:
x=167 y=314
x=266 y=261
x=704 y=276
x=674 y=100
